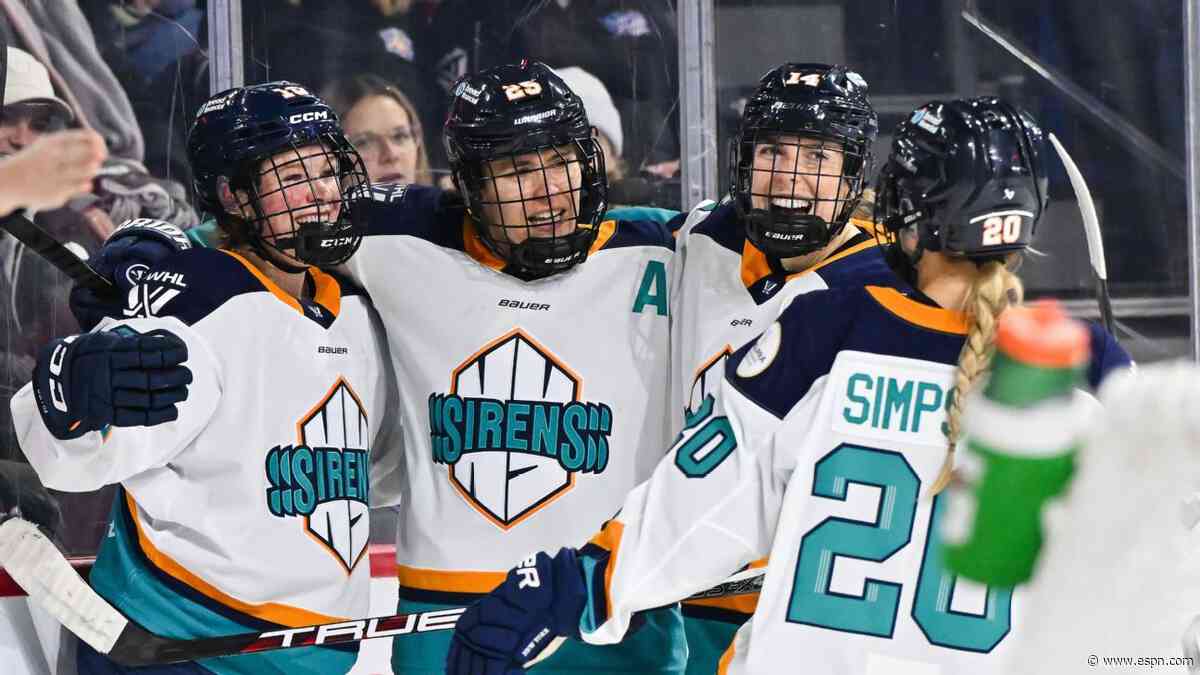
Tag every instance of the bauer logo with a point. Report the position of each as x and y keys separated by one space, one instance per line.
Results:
x=324 y=478
x=514 y=431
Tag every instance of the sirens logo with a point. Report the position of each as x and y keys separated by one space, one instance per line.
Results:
x=514 y=430
x=325 y=477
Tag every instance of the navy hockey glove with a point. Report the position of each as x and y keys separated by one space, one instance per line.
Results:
x=131 y=250
x=86 y=382
x=540 y=600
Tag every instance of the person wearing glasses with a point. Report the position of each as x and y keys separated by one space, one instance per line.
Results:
x=384 y=126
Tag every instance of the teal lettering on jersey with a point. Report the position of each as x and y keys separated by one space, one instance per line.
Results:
x=698 y=452
x=875 y=610
x=813 y=600
x=939 y=621
x=303 y=478
x=890 y=404
x=575 y=434
x=653 y=289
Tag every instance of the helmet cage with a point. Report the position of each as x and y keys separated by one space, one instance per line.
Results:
x=532 y=178
x=789 y=225
x=317 y=232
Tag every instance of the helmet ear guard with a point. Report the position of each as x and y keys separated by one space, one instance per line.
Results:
x=526 y=112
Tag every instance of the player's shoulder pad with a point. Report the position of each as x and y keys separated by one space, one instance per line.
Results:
x=1107 y=354
x=776 y=370
x=616 y=234
x=719 y=222
x=416 y=210
x=189 y=285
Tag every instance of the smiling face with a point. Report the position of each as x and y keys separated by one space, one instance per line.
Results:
x=535 y=194
x=294 y=187
x=798 y=172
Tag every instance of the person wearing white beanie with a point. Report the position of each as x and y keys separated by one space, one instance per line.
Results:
x=31 y=107
x=602 y=114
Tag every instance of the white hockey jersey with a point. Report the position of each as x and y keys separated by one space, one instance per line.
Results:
x=530 y=407
x=820 y=450
x=724 y=292
x=249 y=510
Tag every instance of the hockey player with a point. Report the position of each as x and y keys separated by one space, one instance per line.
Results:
x=531 y=339
x=243 y=507
x=797 y=175
x=530 y=336
x=826 y=446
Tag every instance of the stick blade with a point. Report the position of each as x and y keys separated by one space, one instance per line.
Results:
x=36 y=564
x=1087 y=210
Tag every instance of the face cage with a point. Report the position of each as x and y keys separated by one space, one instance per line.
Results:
x=541 y=254
x=789 y=232
x=319 y=242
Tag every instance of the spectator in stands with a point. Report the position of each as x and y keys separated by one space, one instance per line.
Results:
x=630 y=45
x=122 y=190
x=384 y=126
x=58 y=35
x=602 y=114
x=144 y=36
x=312 y=41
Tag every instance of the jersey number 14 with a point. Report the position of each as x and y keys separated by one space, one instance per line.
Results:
x=874 y=612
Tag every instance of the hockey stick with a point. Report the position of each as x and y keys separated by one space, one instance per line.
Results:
x=54 y=252
x=37 y=565
x=1091 y=227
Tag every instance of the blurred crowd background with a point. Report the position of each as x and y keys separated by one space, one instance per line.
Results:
x=135 y=71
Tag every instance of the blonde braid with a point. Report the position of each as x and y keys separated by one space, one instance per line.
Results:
x=994 y=289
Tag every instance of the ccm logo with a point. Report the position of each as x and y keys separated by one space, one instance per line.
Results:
x=337 y=241
x=311 y=116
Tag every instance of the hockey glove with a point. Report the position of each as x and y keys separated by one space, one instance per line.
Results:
x=542 y=599
x=131 y=250
x=86 y=382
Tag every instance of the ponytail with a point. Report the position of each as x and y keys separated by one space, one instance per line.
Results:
x=995 y=288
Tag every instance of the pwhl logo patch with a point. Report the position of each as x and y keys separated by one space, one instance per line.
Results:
x=514 y=430
x=324 y=478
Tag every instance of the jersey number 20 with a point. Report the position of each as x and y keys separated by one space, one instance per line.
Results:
x=874 y=612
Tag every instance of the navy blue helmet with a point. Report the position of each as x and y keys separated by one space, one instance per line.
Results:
x=797 y=116
x=968 y=176
x=281 y=153
x=526 y=111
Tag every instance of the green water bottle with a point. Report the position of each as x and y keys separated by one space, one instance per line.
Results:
x=1023 y=432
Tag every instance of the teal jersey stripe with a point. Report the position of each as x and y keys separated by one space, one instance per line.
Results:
x=123 y=576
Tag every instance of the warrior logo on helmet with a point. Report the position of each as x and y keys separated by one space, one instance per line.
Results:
x=514 y=430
